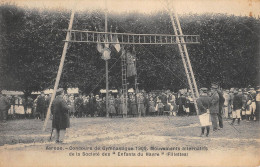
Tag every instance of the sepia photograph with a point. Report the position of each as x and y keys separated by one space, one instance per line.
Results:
x=96 y=83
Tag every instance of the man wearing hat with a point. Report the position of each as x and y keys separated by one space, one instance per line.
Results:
x=221 y=104
x=231 y=93
x=203 y=103
x=41 y=106
x=99 y=105
x=247 y=105
x=257 y=111
x=4 y=107
x=252 y=97
x=214 y=106
x=92 y=105
x=111 y=105
x=60 y=112
x=237 y=105
x=140 y=104
x=226 y=103
x=181 y=104
x=244 y=103
x=79 y=105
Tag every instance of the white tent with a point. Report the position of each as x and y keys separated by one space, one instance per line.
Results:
x=73 y=90
x=6 y=92
x=104 y=91
x=50 y=91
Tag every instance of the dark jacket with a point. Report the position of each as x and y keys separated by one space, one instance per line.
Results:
x=60 y=111
x=47 y=101
x=237 y=102
x=187 y=103
x=79 y=104
x=4 y=103
x=92 y=104
x=221 y=101
x=181 y=100
x=214 y=103
x=41 y=104
x=203 y=103
x=163 y=99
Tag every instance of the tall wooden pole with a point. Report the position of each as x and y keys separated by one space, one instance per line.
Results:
x=107 y=115
x=60 y=68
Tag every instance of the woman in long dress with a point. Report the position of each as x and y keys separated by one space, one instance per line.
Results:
x=159 y=106
x=151 y=106
x=71 y=106
x=133 y=105
x=111 y=106
x=140 y=101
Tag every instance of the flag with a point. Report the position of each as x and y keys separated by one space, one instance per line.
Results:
x=99 y=46
x=106 y=54
x=106 y=51
x=116 y=45
x=134 y=53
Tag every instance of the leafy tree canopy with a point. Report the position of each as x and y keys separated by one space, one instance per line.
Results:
x=31 y=43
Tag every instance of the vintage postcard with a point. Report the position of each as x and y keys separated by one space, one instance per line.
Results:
x=129 y=83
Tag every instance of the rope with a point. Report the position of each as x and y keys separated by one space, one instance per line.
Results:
x=157 y=59
x=172 y=72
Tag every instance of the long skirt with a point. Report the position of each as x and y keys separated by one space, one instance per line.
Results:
x=151 y=109
x=112 y=110
x=121 y=109
x=134 y=109
x=141 y=109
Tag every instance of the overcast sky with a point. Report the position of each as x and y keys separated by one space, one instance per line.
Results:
x=236 y=7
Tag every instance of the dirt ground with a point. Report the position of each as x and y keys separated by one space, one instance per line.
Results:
x=146 y=141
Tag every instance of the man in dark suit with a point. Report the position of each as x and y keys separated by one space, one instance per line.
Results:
x=221 y=104
x=79 y=106
x=4 y=107
x=237 y=105
x=41 y=106
x=257 y=111
x=60 y=112
x=214 y=106
x=181 y=104
x=203 y=103
x=92 y=105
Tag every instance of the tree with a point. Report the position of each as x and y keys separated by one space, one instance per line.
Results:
x=32 y=42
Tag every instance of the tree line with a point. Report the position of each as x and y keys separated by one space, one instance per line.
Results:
x=31 y=43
